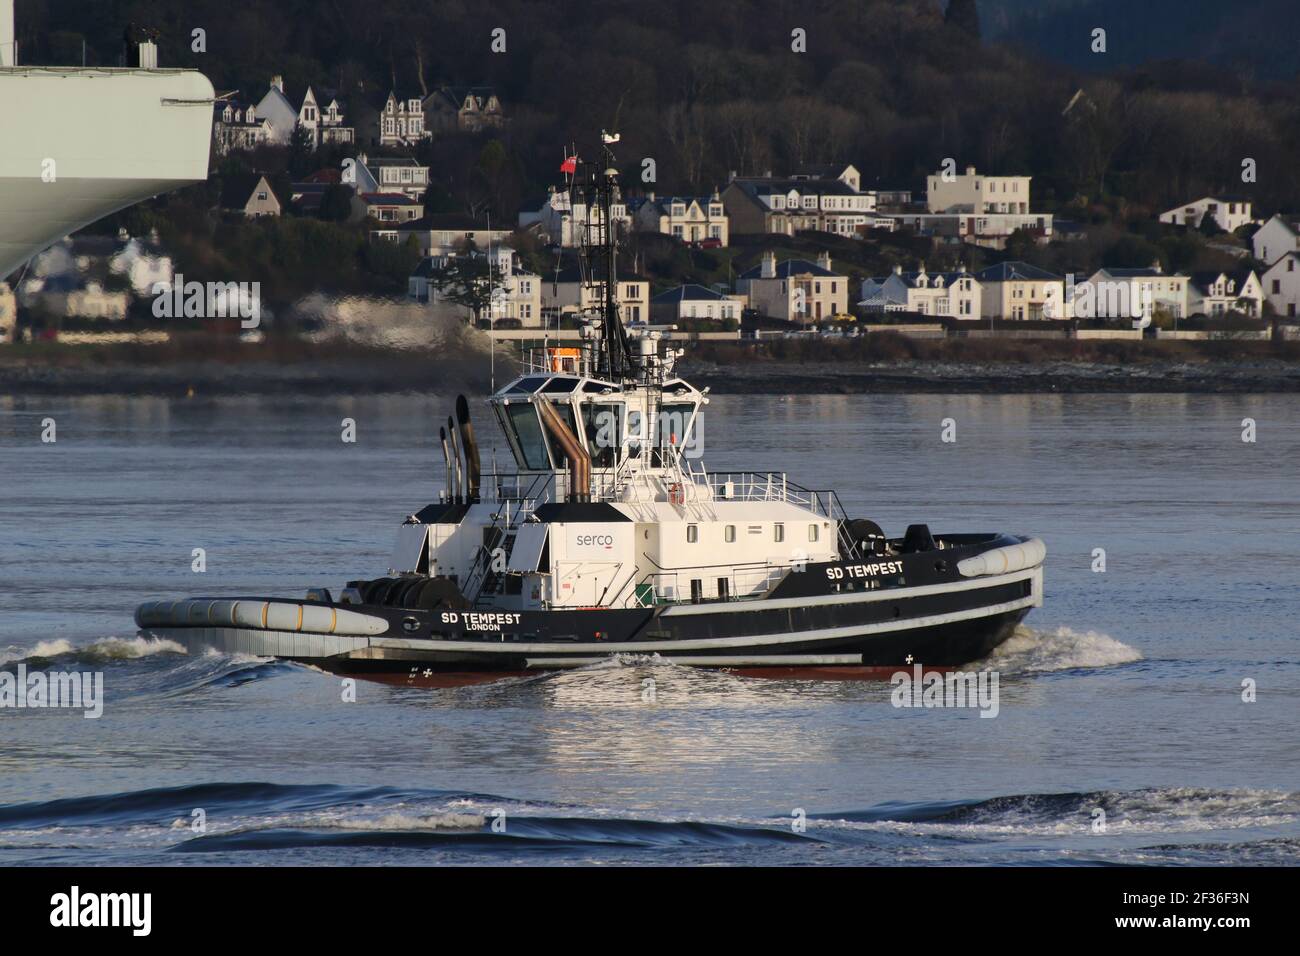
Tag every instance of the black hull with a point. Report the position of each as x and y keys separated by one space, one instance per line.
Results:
x=943 y=645
x=818 y=623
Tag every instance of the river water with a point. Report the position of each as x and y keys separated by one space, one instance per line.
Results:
x=1121 y=735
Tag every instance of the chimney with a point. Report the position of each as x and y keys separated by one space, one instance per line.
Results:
x=277 y=82
x=824 y=260
x=898 y=270
x=148 y=55
x=970 y=170
x=731 y=176
x=650 y=196
x=961 y=268
x=768 y=270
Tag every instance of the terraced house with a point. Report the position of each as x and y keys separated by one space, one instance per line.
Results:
x=790 y=205
x=1018 y=290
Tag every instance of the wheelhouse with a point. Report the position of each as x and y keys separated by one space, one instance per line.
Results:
x=613 y=426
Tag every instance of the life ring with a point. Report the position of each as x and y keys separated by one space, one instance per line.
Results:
x=676 y=494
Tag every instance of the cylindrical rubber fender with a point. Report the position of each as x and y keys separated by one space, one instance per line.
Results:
x=1014 y=557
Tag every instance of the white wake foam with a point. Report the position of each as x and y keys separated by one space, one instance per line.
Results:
x=1030 y=650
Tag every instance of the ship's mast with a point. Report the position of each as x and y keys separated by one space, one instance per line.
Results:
x=595 y=184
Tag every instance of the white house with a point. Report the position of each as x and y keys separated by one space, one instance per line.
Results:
x=1018 y=290
x=237 y=126
x=1133 y=293
x=688 y=218
x=401 y=121
x=1276 y=238
x=562 y=223
x=143 y=267
x=568 y=292
x=1231 y=213
x=1218 y=293
x=389 y=174
x=1282 y=284
x=795 y=290
x=324 y=124
x=972 y=192
x=695 y=302
x=516 y=296
x=954 y=295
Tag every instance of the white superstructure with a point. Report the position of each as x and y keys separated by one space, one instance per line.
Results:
x=77 y=144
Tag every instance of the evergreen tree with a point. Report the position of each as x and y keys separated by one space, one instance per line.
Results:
x=963 y=15
x=465 y=281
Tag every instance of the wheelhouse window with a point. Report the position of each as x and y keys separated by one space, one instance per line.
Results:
x=729 y=534
x=527 y=431
x=692 y=533
x=674 y=426
x=778 y=532
x=603 y=424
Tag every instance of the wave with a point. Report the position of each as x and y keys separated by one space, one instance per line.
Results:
x=97 y=652
x=152 y=806
x=1032 y=651
x=1177 y=809
x=537 y=832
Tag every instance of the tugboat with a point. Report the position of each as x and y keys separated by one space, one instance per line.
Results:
x=610 y=538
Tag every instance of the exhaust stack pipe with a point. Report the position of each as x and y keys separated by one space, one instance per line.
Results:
x=446 y=457
x=579 y=460
x=472 y=467
x=458 y=484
